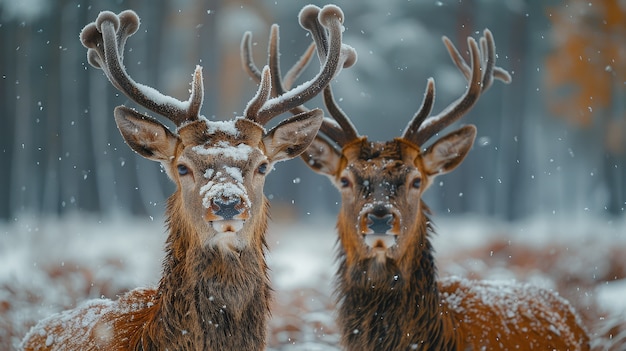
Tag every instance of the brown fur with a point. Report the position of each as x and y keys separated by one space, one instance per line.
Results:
x=390 y=298
x=387 y=290
x=206 y=300
x=214 y=292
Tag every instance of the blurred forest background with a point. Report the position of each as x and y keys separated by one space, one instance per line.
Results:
x=551 y=143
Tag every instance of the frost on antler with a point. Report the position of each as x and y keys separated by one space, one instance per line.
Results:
x=105 y=40
x=480 y=74
x=322 y=24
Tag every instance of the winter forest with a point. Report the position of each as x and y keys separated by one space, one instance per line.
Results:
x=540 y=198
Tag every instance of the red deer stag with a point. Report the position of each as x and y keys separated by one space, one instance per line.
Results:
x=389 y=297
x=214 y=292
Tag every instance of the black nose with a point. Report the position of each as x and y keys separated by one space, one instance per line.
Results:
x=379 y=224
x=227 y=208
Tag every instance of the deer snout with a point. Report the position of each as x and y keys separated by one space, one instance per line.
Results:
x=225 y=209
x=379 y=224
x=379 y=218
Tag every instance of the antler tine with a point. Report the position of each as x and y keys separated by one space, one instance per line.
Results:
x=254 y=72
x=331 y=17
x=432 y=125
x=279 y=85
x=480 y=74
x=294 y=72
x=459 y=61
x=423 y=112
x=496 y=72
x=265 y=89
x=309 y=20
x=246 y=57
x=346 y=131
x=105 y=40
x=343 y=131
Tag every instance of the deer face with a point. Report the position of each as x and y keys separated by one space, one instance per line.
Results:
x=381 y=185
x=373 y=186
x=219 y=168
x=220 y=173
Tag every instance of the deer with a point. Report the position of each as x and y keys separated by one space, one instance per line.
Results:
x=387 y=290
x=214 y=292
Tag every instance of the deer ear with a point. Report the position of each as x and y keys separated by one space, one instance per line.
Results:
x=449 y=151
x=292 y=136
x=145 y=135
x=322 y=157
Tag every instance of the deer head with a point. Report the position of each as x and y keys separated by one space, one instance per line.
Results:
x=381 y=183
x=219 y=167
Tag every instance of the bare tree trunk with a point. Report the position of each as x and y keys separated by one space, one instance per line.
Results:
x=21 y=196
x=8 y=60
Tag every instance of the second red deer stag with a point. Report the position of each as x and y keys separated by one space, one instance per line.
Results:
x=388 y=294
x=214 y=292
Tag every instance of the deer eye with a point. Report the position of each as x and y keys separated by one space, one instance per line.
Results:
x=344 y=181
x=182 y=170
x=262 y=168
x=417 y=182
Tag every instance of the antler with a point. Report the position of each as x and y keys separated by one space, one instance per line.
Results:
x=105 y=39
x=343 y=131
x=279 y=86
x=336 y=56
x=480 y=74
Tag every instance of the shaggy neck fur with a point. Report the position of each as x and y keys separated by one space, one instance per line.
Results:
x=393 y=305
x=208 y=300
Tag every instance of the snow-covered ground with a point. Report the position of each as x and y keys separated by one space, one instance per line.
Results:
x=51 y=264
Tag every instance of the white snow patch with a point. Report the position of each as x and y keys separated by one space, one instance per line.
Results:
x=612 y=296
x=223 y=190
x=234 y=172
x=161 y=99
x=227 y=127
x=209 y=173
x=240 y=152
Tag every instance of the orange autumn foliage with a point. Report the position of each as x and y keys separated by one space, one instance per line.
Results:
x=587 y=62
